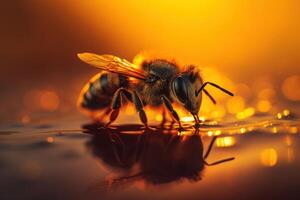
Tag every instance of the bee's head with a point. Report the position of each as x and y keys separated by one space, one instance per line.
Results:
x=183 y=88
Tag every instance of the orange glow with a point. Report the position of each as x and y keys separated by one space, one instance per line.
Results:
x=235 y=104
x=202 y=118
x=49 y=101
x=269 y=157
x=214 y=133
x=279 y=116
x=293 y=130
x=210 y=133
x=130 y=110
x=159 y=118
x=50 y=139
x=290 y=88
x=243 y=90
x=227 y=141
x=25 y=119
x=218 y=111
x=290 y=155
x=288 y=140
x=263 y=106
x=202 y=33
x=266 y=94
x=187 y=119
x=218 y=132
x=248 y=112
x=242 y=130
x=138 y=60
x=206 y=31
x=274 y=130
x=286 y=112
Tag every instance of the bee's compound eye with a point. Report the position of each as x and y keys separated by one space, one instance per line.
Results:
x=180 y=89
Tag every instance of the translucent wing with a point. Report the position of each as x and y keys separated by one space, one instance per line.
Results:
x=112 y=64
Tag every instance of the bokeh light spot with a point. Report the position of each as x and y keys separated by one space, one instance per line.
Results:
x=235 y=104
x=25 y=119
x=286 y=112
x=269 y=157
x=248 y=112
x=227 y=141
x=266 y=94
x=50 y=140
x=290 y=88
x=293 y=130
x=263 y=106
x=49 y=101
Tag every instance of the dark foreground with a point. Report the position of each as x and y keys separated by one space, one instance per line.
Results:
x=49 y=161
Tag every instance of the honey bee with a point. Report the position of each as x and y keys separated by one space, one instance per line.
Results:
x=153 y=83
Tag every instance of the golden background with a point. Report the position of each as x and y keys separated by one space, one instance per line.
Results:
x=250 y=47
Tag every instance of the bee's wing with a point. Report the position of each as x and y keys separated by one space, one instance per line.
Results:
x=112 y=64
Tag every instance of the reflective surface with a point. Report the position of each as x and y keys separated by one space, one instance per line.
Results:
x=48 y=161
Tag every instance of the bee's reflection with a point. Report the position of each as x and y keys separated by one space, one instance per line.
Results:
x=154 y=156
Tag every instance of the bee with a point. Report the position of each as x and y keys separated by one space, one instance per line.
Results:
x=153 y=83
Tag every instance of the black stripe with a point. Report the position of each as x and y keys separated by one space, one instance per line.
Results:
x=97 y=103
x=85 y=97
x=104 y=83
x=123 y=81
x=93 y=90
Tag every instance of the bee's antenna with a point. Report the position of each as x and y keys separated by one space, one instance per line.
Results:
x=215 y=85
x=209 y=96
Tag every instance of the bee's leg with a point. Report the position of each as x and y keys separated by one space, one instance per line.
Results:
x=197 y=120
x=116 y=104
x=169 y=106
x=139 y=107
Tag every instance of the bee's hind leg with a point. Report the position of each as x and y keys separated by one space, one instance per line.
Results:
x=169 y=106
x=116 y=104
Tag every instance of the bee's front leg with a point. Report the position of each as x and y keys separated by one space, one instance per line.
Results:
x=169 y=106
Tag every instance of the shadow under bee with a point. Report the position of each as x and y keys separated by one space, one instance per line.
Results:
x=153 y=156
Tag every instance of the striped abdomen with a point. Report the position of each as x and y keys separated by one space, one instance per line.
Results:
x=98 y=92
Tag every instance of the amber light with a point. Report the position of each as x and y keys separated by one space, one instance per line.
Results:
x=216 y=36
x=49 y=101
x=290 y=88
x=227 y=141
x=269 y=157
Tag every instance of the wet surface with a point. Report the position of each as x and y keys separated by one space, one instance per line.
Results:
x=58 y=161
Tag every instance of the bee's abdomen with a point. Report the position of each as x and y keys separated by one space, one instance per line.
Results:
x=98 y=92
